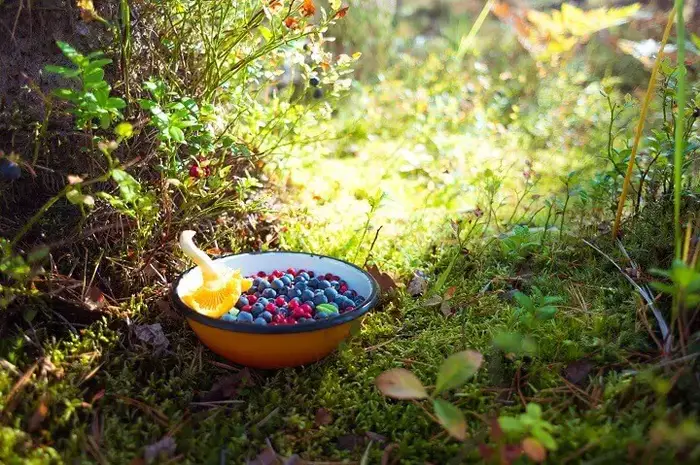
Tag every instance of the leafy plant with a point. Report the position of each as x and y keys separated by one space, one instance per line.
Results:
x=536 y=307
x=514 y=436
x=92 y=103
x=519 y=243
x=454 y=372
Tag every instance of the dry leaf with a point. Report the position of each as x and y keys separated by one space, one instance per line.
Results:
x=400 y=383
x=323 y=417
x=372 y=436
x=39 y=415
x=226 y=387
x=577 y=372
x=446 y=308
x=152 y=335
x=341 y=13
x=74 y=179
x=418 y=284
x=94 y=298
x=163 y=449
x=433 y=301
x=386 y=456
x=308 y=8
x=386 y=282
x=534 y=450
x=165 y=308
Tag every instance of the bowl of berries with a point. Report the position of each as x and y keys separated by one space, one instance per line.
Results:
x=291 y=309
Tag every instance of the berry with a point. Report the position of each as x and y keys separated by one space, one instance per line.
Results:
x=320 y=299
x=242 y=302
x=260 y=321
x=279 y=318
x=252 y=299
x=277 y=274
x=328 y=276
x=314 y=81
x=286 y=280
x=262 y=274
x=306 y=308
x=301 y=285
x=198 y=172
x=9 y=170
x=313 y=283
x=279 y=301
x=263 y=285
x=311 y=274
x=245 y=317
x=325 y=284
x=256 y=309
x=343 y=289
x=304 y=275
x=293 y=304
x=336 y=278
x=331 y=294
x=271 y=307
x=228 y=317
x=349 y=309
x=247 y=308
x=298 y=313
x=292 y=293
x=292 y=271
x=277 y=284
x=256 y=282
x=348 y=294
x=262 y=301
x=307 y=295
x=269 y=293
x=334 y=304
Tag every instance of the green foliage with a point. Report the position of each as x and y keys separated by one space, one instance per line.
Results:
x=535 y=307
x=91 y=102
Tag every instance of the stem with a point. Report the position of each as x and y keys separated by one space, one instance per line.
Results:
x=546 y=224
x=465 y=43
x=640 y=125
x=563 y=212
x=680 y=127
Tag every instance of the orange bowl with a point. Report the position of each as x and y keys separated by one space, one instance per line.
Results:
x=285 y=345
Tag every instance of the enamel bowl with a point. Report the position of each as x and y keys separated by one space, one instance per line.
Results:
x=278 y=346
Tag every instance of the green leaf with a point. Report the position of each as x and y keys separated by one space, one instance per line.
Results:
x=457 y=369
x=71 y=53
x=62 y=71
x=544 y=437
x=38 y=254
x=523 y=300
x=105 y=120
x=266 y=33
x=177 y=134
x=124 y=130
x=552 y=299
x=98 y=64
x=128 y=186
x=534 y=410
x=534 y=450
x=515 y=343
x=400 y=383
x=94 y=76
x=66 y=94
x=546 y=313
x=511 y=425
x=115 y=102
x=451 y=418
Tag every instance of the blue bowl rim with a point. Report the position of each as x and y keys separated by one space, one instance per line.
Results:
x=233 y=326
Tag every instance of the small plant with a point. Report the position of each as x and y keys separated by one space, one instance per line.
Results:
x=456 y=370
x=536 y=306
x=519 y=243
x=91 y=102
x=514 y=436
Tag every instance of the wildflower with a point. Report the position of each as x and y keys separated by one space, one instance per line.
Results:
x=275 y=6
x=341 y=13
x=291 y=23
x=308 y=8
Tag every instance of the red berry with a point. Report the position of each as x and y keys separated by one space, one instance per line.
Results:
x=293 y=304
x=329 y=276
x=298 y=313
x=279 y=301
x=291 y=321
x=306 y=308
x=246 y=308
x=349 y=309
x=301 y=271
x=336 y=278
x=271 y=278
x=271 y=307
x=277 y=274
x=252 y=299
x=343 y=289
x=311 y=274
x=292 y=271
x=278 y=318
x=197 y=171
x=261 y=274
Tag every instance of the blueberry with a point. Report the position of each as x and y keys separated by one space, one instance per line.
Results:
x=301 y=285
x=277 y=284
x=303 y=275
x=260 y=321
x=318 y=93
x=347 y=303
x=314 y=81
x=313 y=283
x=263 y=285
x=263 y=301
x=324 y=284
x=245 y=317
x=269 y=293
x=322 y=315
x=283 y=311
x=293 y=293
x=358 y=300
x=334 y=304
x=267 y=316
x=9 y=170
x=348 y=294
x=311 y=304
x=228 y=317
x=318 y=292
x=331 y=294
x=257 y=309
x=242 y=302
x=289 y=276
x=320 y=299
x=256 y=282
x=304 y=320
x=307 y=295
x=286 y=280
x=339 y=299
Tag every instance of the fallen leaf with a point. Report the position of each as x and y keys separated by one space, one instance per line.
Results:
x=577 y=372
x=351 y=441
x=341 y=13
x=74 y=179
x=450 y=292
x=308 y=8
x=267 y=457
x=433 y=301
x=166 y=309
x=386 y=456
x=163 y=449
x=98 y=395
x=534 y=450
x=294 y=460
x=457 y=369
x=386 y=282
x=152 y=335
x=39 y=415
x=418 y=284
x=446 y=308
x=94 y=298
x=400 y=383
x=375 y=437
x=451 y=418
x=226 y=387
x=323 y=417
